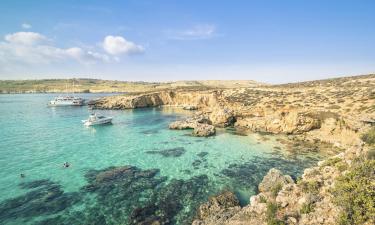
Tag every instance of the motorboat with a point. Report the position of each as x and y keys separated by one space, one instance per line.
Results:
x=95 y=119
x=67 y=101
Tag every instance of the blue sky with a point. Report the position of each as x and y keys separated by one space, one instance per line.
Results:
x=269 y=41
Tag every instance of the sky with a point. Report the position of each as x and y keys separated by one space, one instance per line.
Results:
x=165 y=40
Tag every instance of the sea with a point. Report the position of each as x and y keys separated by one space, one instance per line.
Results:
x=133 y=171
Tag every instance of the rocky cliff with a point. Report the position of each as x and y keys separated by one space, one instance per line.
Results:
x=332 y=111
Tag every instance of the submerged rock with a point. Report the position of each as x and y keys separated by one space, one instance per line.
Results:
x=129 y=195
x=173 y=152
x=44 y=198
x=202 y=154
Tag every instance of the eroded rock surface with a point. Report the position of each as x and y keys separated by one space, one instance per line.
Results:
x=204 y=130
x=218 y=209
x=282 y=201
x=334 y=110
x=200 y=124
x=273 y=179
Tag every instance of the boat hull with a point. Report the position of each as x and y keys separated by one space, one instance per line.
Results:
x=98 y=122
x=67 y=101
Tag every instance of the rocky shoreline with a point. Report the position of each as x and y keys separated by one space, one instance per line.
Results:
x=335 y=112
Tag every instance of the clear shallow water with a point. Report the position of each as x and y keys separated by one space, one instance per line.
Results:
x=171 y=171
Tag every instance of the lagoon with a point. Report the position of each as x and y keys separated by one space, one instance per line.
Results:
x=133 y=170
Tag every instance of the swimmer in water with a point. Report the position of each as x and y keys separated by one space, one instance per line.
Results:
x=22 y=175
x=66 y=164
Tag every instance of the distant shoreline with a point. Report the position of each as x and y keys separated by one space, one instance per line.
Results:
x=20 y=93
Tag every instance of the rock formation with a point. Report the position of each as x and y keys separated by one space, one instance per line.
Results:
x=218 y=209
x=282 y=201
x=328 y=111
x=199 y=123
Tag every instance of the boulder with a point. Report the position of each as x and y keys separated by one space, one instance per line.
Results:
x=273 y=179
x=190 y=107
x=218 y=209
x=183 y=124
x=222 y=117
x=204 y=130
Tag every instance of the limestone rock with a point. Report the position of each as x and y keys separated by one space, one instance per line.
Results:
x=222 y=117
x=190 y=107
x=218 y=209
x=204 y=130
x=273 y=178
x=183 y=124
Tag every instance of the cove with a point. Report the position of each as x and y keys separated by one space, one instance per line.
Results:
x=133 y=171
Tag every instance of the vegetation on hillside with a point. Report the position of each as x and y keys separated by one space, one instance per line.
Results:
x=369 y=137
x=355 y=193
x=95 y=85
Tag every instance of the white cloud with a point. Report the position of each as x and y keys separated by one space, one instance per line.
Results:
x=25 y=38
x=197 y=32
x=33 y=48
x=117 y=45
x=26 y=26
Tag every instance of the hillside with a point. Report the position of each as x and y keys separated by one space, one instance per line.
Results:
x=95 y=85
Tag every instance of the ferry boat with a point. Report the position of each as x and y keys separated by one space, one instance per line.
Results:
x=95 y=119
x=67 y=101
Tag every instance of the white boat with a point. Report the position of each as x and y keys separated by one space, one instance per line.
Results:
x=95 y=119
x=66 y=101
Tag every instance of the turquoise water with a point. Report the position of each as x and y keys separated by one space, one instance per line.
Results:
x=135 y=170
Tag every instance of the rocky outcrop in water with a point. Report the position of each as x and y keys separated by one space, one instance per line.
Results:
x=204 y=130
x=200 y=124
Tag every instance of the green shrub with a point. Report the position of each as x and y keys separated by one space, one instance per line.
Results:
x=331 y=161
x=275 y=189
x=307 y=208
x=271 y=214
x=310 y=186
x=371 y=154
x=341 y=166
x=354 y=192
x=369 y=137
x=262 y=199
